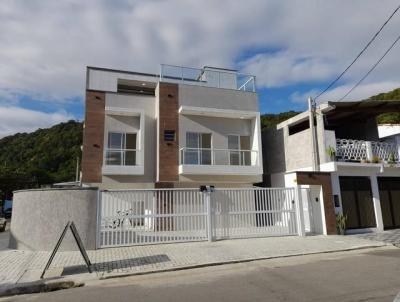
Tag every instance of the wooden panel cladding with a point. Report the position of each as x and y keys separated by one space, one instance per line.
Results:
x=93 y=137
x=168 y=121
x=323 y=179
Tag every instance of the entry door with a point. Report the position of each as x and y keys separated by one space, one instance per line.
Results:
x=316 y=210
x=389 y=194
x=357 y=202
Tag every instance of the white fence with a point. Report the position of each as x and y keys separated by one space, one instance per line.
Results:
x=137 y=217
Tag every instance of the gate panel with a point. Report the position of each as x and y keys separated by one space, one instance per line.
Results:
x=131 y=217
x=138 y=217
x=243 y=213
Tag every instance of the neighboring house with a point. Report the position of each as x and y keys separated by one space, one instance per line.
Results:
x=389 y=132
x=344 y=163
x=185 y=127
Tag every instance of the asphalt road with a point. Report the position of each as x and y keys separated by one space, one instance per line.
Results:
x=366 y=275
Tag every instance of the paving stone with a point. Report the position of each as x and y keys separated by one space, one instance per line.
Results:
x=15 y=264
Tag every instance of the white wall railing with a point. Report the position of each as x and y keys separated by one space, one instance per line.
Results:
x=209 y=77
x=359 y=150
x=121 y=157
x=225 y=157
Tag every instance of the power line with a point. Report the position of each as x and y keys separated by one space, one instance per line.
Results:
x=359 y=55
x=372 y=68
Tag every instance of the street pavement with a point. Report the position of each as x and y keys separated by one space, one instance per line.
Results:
x=19 y=267
x=362 y=275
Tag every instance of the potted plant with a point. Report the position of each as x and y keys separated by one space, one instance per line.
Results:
x=331 y=153
x=391 y=158
x=375 y=159
x=341 y=220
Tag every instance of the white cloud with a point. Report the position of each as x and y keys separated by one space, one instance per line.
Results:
x=15 y=119
x=46 y=44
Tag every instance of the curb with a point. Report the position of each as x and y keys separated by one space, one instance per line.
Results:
x=194 y=266
x=38 y=287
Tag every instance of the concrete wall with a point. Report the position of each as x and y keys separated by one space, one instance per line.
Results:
x=39 y=217
x=197 y=96
x=107 y=80
x=273 y=148
x=298 y=150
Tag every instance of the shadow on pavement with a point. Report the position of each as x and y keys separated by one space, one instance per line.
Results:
x=128 y=263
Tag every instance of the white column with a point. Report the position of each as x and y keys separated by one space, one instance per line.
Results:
x=207 y=197
x=370 y=154
x=377 y=203
x=300 y=213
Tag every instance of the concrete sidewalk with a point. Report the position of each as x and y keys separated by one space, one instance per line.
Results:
x=18 y=267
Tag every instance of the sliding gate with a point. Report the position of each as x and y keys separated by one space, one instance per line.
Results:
x=137 y=217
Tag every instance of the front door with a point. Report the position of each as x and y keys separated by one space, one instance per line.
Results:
x=316 y=209
x=389 y=194
x=357 y=202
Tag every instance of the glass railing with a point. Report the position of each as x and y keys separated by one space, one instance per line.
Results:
x=121 y=157
x=209 y=77
x=226 y=157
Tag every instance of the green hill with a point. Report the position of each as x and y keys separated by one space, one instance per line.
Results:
x=42 y=157
x=270 y=120
x=388 y=118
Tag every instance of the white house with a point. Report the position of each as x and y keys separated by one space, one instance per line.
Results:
x=184 y=127
x=342 y=159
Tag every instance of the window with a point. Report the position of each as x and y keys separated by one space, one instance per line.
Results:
x=239 y=150
x=198 y=149
x=121 y=149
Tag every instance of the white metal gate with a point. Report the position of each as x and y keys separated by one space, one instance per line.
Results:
x=137 y=217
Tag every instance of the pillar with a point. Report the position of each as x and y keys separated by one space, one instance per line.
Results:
x=377 y=203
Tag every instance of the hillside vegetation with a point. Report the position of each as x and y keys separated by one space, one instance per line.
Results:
x=42 y=157
x=388 y=118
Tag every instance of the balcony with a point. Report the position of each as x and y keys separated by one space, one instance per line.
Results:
x=205 y=161
x=208 y=77
x=367 y=151
x=122 y=162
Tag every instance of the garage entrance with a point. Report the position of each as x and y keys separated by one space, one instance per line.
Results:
x=389 y=193
x=357 y=202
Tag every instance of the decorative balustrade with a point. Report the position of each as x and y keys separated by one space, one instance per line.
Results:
x=359 y=150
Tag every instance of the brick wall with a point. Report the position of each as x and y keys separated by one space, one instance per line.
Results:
x=323 y=179
x=168 y=120
x=93 y=137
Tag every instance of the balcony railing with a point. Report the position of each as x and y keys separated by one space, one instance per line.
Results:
x=121 y=157
x=226 y=157
x=358 y=150
x=209 y=77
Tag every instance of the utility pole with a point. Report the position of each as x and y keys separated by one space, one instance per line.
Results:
x=314 y=142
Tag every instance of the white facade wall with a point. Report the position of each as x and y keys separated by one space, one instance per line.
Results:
x=146 y=138
x=218 y=98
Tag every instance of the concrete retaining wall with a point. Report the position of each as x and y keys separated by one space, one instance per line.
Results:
x=39 y=217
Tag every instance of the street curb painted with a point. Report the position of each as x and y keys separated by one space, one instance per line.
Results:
x=202 y=265
x=38 y=287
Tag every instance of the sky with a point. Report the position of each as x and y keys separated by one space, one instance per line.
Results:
x=294 y=48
